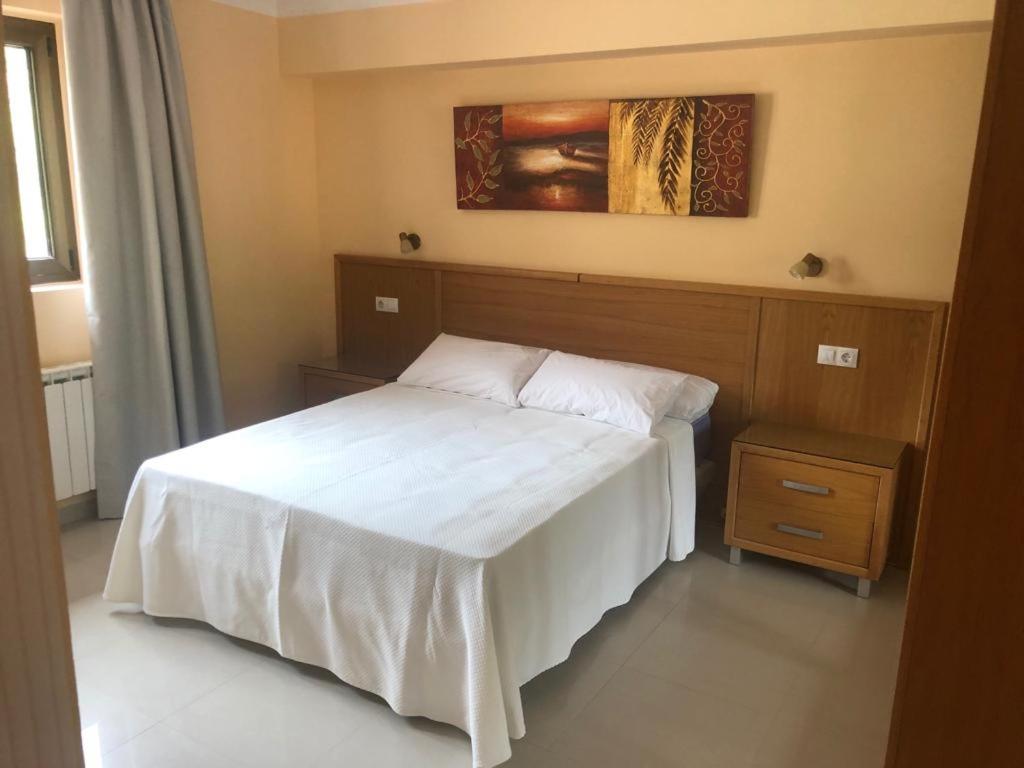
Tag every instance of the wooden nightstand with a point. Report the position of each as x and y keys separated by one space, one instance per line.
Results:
x=334 y=377
x=816 y=497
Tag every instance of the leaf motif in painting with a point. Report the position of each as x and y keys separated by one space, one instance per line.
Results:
x=673 y=151
x=477 y=140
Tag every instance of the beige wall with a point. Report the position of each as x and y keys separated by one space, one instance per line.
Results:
x=253 y=131
x=862 y=154
x=34 y=9
x=61 y=326
x=471 y=31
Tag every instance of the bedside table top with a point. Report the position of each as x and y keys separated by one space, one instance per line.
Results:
x=356 y=366
x=860 y=449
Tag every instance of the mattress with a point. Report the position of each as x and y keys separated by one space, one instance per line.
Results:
x=437 y=550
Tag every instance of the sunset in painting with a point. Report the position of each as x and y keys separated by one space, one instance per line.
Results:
x=556 y=156
x=538 y=121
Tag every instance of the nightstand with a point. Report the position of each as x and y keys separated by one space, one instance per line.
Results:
x=815 y=497
x=334 y=377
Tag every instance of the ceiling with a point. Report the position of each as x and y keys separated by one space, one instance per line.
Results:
x=311 y=7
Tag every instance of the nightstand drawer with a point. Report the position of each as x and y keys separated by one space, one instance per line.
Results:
x=801 y=507
x=323 y=389
x=808 y=486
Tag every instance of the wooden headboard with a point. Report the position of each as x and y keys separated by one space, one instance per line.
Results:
x=759 y=344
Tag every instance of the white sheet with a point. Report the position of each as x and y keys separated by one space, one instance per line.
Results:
x=435 y=549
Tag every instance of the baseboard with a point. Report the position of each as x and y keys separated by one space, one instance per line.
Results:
x=76 y=508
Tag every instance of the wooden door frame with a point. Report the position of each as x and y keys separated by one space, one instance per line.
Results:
x=39 y=723
x=960 y=686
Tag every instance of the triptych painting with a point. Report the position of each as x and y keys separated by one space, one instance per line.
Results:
x=682 y=156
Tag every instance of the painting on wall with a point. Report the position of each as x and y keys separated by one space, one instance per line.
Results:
x=681 y=156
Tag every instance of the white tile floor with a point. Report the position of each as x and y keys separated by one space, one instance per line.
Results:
x=768 y=665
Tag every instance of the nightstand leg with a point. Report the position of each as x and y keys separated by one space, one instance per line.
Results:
x=735 y=556
x=864 y=588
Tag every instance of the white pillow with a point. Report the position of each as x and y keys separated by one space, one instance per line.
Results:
x=629 y=396
x=695 y=399
x=486 y=369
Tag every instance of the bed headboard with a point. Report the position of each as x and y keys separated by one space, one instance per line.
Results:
x=759 y=344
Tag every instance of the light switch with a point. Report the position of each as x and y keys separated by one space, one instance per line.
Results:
x=387 y=304
x=844 y=357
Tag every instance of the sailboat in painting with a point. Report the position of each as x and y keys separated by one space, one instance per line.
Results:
x=556 y=156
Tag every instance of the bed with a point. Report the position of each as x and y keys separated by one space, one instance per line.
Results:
x=435 y=549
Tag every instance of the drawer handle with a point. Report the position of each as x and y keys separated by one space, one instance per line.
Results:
x=805 y=532
x=793 y=485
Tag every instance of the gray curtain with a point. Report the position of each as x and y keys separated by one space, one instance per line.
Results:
x=157 y=379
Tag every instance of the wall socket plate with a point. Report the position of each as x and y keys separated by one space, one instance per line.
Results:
x=386 y=304
x=844 y=357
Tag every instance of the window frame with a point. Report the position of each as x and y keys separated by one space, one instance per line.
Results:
x=40 y=38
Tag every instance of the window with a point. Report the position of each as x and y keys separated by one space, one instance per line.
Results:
x=40 y=149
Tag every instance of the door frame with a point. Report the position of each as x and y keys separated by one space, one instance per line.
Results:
x=39 y=722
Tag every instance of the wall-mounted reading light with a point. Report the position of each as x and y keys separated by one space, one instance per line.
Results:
x=809 y=266
x=409 y=242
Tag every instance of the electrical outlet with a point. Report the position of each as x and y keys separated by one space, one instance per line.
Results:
x=846 y=357
x=843 y=357
x=387 y=304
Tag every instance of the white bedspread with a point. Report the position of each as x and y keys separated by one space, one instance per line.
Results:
x=437 y=550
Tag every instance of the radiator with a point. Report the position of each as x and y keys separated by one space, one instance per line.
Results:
x=69 y=419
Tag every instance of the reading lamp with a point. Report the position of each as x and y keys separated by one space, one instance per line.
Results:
x=809 y=266
x=409 y=242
